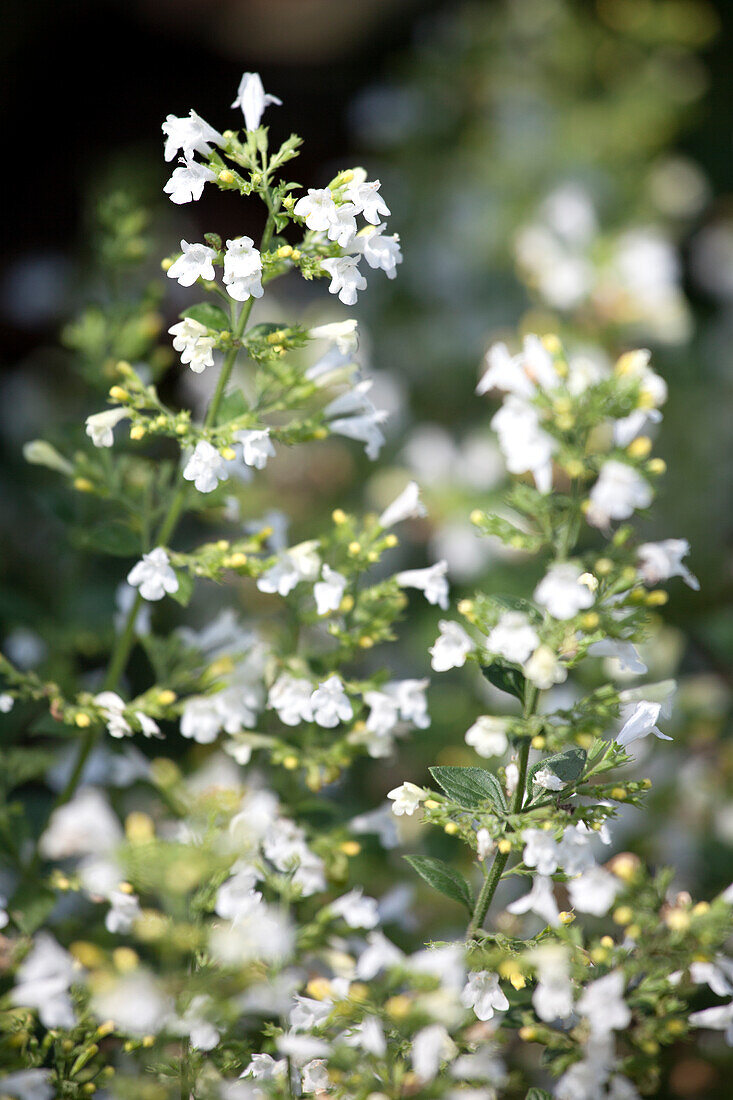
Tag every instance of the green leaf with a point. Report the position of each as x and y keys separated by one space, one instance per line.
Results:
x=567 y=765
x=31 y=905
x=471 y=787
x=185 y=588
x=538 y=1094
x=233 y=405
x=443 y=878
x=206 y=313
x=112 y=537
x=506 y=678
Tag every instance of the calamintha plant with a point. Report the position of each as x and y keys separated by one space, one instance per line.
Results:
x=181 y=925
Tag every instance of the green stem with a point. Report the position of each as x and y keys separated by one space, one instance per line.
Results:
x=486 y=895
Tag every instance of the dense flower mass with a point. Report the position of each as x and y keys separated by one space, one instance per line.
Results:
x=189 y=924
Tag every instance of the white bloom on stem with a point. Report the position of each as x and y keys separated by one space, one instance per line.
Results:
x=86 y=825
x=487 y=736
x=431 y=581
x=540 y=851
x=504 y=372
x=124 y=911
x=367 y=200
x=602 y=1004
x=484 y=844
x=625 y=653
x=195 y=262
x=291 y=696
x=346 y=279
x=513 y=637
x=263 y=1067
x=135 y=1003
x=190 y=135
x=43 y=982
x=406 y=506
x=315 y=1076
x=342 y=228
x=358 y=911
x=617 y=493
x=153 y=575
x=639 y=720
x=193 y=341
x=187 y=182
x=628 y=427
x=331 y=704
x=376 y=956
x=524 y=444
x=368 y=1036
x=719 y=1018
x=658 y=561
x=379 y=250
x=7 y=702
x=547 y=779
x=256 y=446
x=544 y=669
x=561 y=592
x=28 y=1084
x=431 y=1046
x=242 y=269
x=317 y=208
x=299 y=563
x=450 y=647
x=593 y=891
x=410 y=698
x=483 y=994
x=540 y=900
x=100 y=426
x=329 y=591
x=253 y=99
x=113 y=707
x=574 y=850
x=553 y=996
x=406 y=798
x=343 y=333
x=206 y=467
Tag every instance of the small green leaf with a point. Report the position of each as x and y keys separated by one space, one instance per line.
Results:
x=471 y=787
x=185 y=588
x=443 y=878
x=30 y=906
x=206 y=313
x=567 y=766
x=112 y=537
x=505 y=678
x=233 y=405
x=538 y=1094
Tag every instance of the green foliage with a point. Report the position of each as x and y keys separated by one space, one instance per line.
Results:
x=443 y=878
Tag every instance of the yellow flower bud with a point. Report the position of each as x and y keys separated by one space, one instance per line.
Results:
x=124 y=368
x=228 y=453
x=125 y=959
x=623 y=915
x=365 y=642
x=354 y=548
x=236 y=561
x=350 y=847
x=137 y=431
x=296 y=255
x=599 y=955
x=538 y=742
x=551 y=343
x=118 y=394
x=88 y=954
x=633 y=931
x=476 y=516
x=656 y=466
x=657 y=598
x=574 y=468
x=139 y=827
x=166 y=697
x=284 y=252
x=226 y=176
x=319 y=989
x=391 y=541
x=450 y=828
x=398 y=1006
x=504 y=846
x=358 y=991
x=431 y=804
x=347 y=604
x=166 y=264
x=603 y=567
x=590 y=620
x=639 y=447
x=83 y=721
x=290 y=762
x=677 y=920
x=701 y=909
x=518 y=981
x=607 y=941
x=566 y=917
x=619 y=793
x=528 y=1034
x=338 y=516
x=83 y=485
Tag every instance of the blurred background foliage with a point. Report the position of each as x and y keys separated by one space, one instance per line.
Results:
x=551 y=166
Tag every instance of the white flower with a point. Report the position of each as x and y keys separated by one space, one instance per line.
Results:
x=410 y=696
x=368 y=1036
x=484 y=844
x=628 y=427
x=256 y=446
x=430 y=1047
x=574 y=851
x=540 y=851
x=134 y=1002
x=329 y=591
x=84 y=826
x=504 y=372
x=195 y=262
x=539 y=900
x=488 y=736
x=28 y=1084
x=658 y=561
x=7 y=702
x=367 y=201
x=187 y=183
x=113 y=707
x=513 y=637
x=639 y=721
x=205 y=468
x=431 y=581
x=525 y=446
x=299 y=563
x=363 y=426
x=318 y=208
x=379 y=250
x=561 y=592
x=603 y=1005
x=553 y=996
x=406 y=506
x=547 y=779
x=406 y=798
x=253 y=99
x=719 y=1018
x=344 y=333
x=450 y=647
x=378 y=955
x=544 y=669
x=99 y=426
x=124 y=911
x=315 y=1076
x=618 y=491
x=343 y=224
x=483 y=994
x=242 y=270
x=625 y=653
x=153 y=575
x=203 y=1035
x=263 y=1067
x=43 y=982
x=346 y=279
x=593 y=891
x=190 y=135
x=331 y=704
x=193 y=341
x=356 y=910
x=291 y=698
